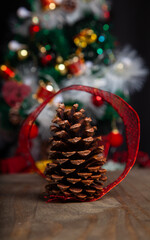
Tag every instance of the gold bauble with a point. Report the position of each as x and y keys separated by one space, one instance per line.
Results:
x=85 y=37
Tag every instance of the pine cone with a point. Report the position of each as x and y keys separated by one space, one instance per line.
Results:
x=77 y=156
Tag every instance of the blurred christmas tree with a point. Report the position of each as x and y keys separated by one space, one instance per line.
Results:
x=58 y=43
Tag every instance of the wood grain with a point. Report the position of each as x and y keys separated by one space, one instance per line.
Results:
x=124 y=213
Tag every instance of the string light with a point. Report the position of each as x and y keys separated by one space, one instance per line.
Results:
x=52 y=6
x=47 y=47
x=106 y=27
x=7 y=71
x=99 y=51
x=61 y=67
x=35 y=20
x=48 y=57
x=23 y=54
x=3 y=68
x=75 y=59
x=106 y=14
x=49 y=88
x=101 y=38
x=36 y=28
x=42 y=49
x=59 y=59
x=120 y=66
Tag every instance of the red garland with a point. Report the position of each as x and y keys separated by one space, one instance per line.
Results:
x=126 y=112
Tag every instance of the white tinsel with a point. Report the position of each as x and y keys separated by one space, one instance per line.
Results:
x=94 y=6
x=15 y=45
x=58 y=17
x=127 y=73
x=22 y=29
x=29 y=75
x=23 y=13
x=113 y=166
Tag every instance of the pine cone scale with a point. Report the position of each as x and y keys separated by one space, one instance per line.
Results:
x=67 y=171
x=61 y=161
x=68 y=154
x=77 y=161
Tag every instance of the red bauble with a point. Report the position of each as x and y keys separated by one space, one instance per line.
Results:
x=45 y=59
x=34 y=29
x=97 y=100
x=115 y=138
x=34 y=131
x=106 y=15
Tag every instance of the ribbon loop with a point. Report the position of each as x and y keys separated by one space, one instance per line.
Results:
x=126 y=112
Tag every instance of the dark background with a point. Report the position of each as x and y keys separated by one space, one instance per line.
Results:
x=131 y=20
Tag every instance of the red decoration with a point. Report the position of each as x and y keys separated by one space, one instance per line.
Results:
x=7 y=72
x=97 y=100
x=106 y=11
x=45 y=59
x=106 y=14
x=143 y=159
x=126 y=112
x=14 y=92
x=115 y=138
x=33 y=132
x=34 y=29
x=75 y=65
x=43 y=92
x=15 y=164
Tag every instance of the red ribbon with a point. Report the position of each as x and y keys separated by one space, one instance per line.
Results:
x=126 y=112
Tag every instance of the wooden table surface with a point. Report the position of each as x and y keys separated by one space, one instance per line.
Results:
x=122 y=214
